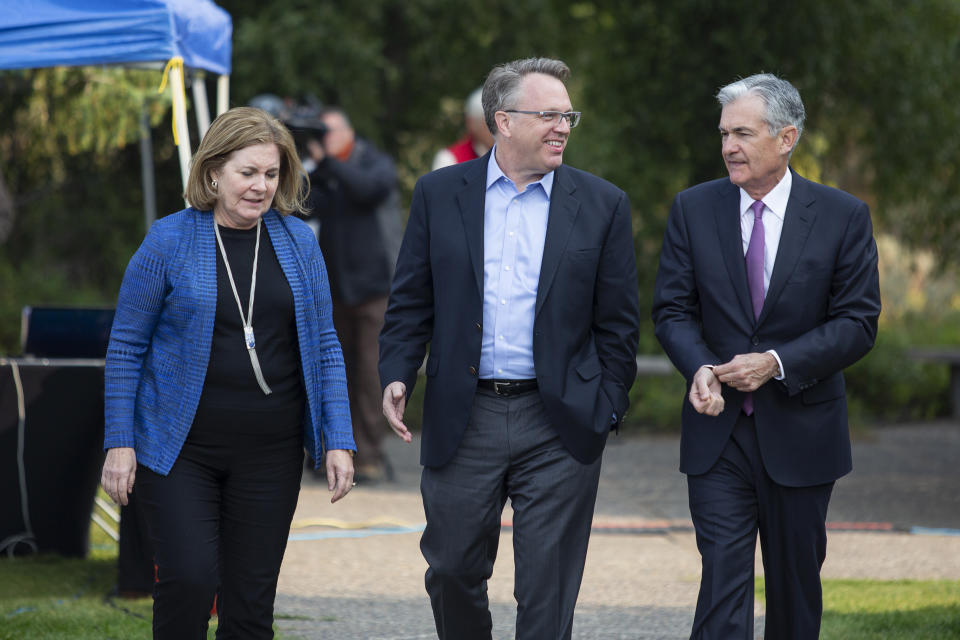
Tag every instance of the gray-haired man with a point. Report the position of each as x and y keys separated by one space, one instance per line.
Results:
x=767 y=290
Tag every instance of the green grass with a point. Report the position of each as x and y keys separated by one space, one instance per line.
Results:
x=889 y=610
x=54 y=598
x=47 y=597
x=907 y=609
x=51 y=597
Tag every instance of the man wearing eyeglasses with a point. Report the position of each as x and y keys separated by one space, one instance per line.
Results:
x=519 y=272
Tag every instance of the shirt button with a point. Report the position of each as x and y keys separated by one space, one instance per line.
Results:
x=510 y=234
x=503 y=301
x=755 y=340
x=506 y=268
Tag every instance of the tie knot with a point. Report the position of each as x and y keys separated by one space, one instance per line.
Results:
x=757 y=207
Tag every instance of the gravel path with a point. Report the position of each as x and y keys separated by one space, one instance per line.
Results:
x=354 y=570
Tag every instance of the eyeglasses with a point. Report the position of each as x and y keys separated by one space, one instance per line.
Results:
x=552 y=117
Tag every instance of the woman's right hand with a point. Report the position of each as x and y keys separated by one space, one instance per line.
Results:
x=119 y=470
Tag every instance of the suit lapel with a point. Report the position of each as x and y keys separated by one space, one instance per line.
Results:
x=471 y=200
x=731 y=244
x=797 y=222
x=563 y=213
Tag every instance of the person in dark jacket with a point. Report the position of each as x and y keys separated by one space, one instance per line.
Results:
x=767 y=290
x=519 y=273
x=223 y=364
x=354 y=198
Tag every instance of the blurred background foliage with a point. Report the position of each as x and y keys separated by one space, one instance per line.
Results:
x=878 y=79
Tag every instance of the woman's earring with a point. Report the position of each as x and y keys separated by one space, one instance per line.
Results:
x=213 y=183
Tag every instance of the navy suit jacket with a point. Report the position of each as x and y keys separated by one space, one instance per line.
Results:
x=820 y=315
x=586 y=316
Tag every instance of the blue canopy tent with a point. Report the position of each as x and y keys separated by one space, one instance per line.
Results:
x=173 y=35
x=191 y=34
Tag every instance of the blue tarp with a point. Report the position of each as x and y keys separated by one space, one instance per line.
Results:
x=47 y=33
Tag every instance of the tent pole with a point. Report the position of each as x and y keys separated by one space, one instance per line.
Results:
x=180 y=121
x=146 y=169
x=199 y=88
x=223 y=93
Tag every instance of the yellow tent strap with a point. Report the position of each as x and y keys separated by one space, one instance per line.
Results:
x=175 y=61
x=377 y=523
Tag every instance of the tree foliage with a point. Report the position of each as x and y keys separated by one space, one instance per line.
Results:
x=68 y=140
x=877 y=78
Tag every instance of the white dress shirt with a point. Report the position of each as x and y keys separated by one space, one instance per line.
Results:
x=774 y=211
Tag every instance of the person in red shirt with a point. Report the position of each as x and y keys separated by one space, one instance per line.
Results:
x=477 y=140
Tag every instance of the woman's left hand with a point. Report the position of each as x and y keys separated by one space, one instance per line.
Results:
x=339 y=473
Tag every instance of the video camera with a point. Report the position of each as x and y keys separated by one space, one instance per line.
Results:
x=306 y=124
x=303 y=119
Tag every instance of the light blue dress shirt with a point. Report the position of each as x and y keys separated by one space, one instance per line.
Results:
x=514 y=231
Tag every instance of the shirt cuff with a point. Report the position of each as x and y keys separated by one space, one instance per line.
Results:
x=783 y=373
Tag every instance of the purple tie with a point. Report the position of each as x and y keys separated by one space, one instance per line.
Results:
x=754 y=260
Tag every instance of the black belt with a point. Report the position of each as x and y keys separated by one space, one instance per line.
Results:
x=508 y=387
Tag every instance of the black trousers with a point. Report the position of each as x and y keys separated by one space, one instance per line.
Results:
x=219 y=523
x=509 y=450
x=730 y=505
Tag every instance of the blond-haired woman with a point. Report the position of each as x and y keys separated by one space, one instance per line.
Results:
x=223 y=364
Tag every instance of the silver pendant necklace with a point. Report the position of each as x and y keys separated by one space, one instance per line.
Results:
x=247 y=321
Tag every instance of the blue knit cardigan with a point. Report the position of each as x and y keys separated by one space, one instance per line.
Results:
x=163 y=328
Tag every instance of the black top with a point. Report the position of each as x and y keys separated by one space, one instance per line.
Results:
x=230 y=381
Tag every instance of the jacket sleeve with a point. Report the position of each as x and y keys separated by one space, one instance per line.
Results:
x=139 y=305
x=676 y=301
x=335 y=425
x=408 y=324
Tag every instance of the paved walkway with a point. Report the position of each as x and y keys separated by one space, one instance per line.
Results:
x=354 y=570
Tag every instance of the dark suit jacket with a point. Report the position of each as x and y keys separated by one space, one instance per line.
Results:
x=358 y=206
x=820 y=315
x=587 y=312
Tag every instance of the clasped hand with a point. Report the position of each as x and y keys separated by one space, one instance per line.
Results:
x=745 y=372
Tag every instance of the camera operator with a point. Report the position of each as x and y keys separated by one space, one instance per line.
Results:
x=354 y=196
